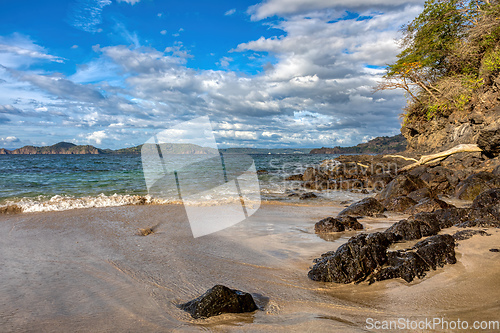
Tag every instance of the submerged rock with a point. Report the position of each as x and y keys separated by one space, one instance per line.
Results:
x=339 y=224
x=365 y=207
x=218 y=300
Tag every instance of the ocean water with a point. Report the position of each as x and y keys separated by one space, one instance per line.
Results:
x=60 y=182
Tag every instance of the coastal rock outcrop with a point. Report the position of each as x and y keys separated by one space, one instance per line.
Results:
x=415 y=227
x=399 y=204
x=339 y=224
x=365 y=207
x=220 y=299
x=473 y=185
x=353 y=261
x=428 y=205
x=430 y=253
x=401 y=185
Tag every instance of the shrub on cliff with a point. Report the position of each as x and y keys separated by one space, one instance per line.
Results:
x=450 y=56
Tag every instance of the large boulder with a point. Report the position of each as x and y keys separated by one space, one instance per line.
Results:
x=430 y=253
x=353 y=261
x=487 y=199
x=415 y=227
x=473 y=185
x=421 y=194
x=399 y=204
x=489 y=140
x=365 y=207
x=401 y=185
x=339 y=224
x=428 y=205
x=452 y=216
x=220 y=299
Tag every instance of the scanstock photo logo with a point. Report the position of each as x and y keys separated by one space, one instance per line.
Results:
x=217 y=190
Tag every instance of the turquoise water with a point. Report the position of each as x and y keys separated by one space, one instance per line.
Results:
x=41 y=177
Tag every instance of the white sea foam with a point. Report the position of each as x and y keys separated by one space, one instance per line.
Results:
x=61 y=203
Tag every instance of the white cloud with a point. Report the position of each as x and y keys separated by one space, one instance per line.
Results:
x=290 y=7
x=86 y=15
x=163 y=32
x=9 y=140
x=97 y=136
x=132 y=2
x=230 y=12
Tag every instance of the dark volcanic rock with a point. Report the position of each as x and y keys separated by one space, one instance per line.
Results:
x=353 y=261
x=415 y=227
x=365 y=207
x=421 y=194
x=482 y=217
x=437 y=250
x=331 y=224
x=494 y=250
x=487 y=199
x=399 y=204
x=433 y=252
x=314 y=174
x=489 y=140
x=294 y=177
x=473 y=185
x=428 y=205
x=308 y=195
x=440 y=179
x=466 y=234
x=401 y=185
x=452 y=216
x=218 y=300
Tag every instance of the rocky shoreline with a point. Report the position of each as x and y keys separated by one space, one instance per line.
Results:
x=420 y=193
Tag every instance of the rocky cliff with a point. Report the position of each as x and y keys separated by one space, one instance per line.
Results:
x=478 y=125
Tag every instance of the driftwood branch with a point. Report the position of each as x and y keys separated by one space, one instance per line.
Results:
x=403 y=157
x=428 y=159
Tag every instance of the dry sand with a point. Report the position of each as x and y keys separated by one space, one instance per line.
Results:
x=88 y=271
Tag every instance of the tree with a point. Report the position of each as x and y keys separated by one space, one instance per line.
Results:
x=448 y=53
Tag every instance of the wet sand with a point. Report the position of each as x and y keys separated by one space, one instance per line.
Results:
x=87 y=271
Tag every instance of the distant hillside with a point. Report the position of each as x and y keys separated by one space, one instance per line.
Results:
x=380 y=145
x=65 y=148
x=265 y=151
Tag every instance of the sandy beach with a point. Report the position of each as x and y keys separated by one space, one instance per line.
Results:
x=87 y=270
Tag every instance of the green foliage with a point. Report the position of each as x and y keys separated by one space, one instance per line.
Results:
x=491 y=62
x=448 y=53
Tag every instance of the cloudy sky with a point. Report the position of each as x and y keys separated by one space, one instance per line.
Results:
x=276 y=73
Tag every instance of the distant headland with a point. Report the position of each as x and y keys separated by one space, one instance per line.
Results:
x=378 y=145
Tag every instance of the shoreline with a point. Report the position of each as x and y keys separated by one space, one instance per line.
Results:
x=79 y=268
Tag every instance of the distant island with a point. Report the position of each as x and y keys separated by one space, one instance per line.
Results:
x=380 y=145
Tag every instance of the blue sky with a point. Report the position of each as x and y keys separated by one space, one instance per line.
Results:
x=276 y=73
